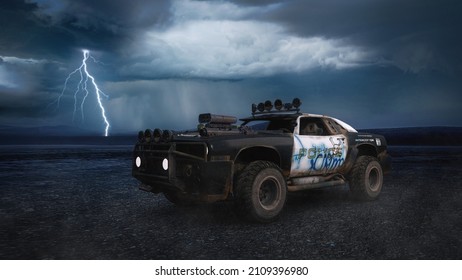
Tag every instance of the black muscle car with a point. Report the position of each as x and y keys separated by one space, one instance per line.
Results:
x=276 y=150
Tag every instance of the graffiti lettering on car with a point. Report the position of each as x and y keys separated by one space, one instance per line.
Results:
x=320 y=156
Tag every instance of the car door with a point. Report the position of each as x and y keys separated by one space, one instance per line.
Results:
x=319 y=148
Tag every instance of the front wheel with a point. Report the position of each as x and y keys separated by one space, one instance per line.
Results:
x=366 y=178
x=260 y=192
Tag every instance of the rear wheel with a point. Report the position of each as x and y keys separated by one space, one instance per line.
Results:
x=366 y=178
x=260 y=192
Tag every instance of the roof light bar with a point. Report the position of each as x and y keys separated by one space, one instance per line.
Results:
x=267 y=106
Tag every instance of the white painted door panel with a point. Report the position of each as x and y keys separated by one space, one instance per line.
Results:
x=315 y=155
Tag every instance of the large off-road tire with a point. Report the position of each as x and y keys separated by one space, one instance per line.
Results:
x=366 y=178
x=260 y=192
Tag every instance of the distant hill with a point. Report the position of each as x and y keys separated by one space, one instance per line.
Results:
x=421 y=136
x=47 y=131
x=50 y=135
x=407 y=136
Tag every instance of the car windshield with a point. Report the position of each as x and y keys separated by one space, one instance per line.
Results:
x=257 y=125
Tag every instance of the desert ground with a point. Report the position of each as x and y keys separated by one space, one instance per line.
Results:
x=80 y=202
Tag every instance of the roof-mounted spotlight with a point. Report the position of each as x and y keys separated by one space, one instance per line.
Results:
x=254 y=108
x=268 y=105
x=278 y=104
x=157 y=135
x=296 y=103
x=167 y=135
x=261 y=107
x=288 y=106
x=147 y=135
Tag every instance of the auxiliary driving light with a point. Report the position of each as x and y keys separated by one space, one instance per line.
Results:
x=203 y=132
x=268 y=105
x=278 y=104
x=147 y=135
x=261 y=107
x=157 y=135
x=296 y=103
x=167 y=135
x=254 y=108
x=140 y=136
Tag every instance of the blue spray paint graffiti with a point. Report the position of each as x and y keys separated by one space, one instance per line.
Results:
x=301 y=154
x=323 y=158
x=320 y=157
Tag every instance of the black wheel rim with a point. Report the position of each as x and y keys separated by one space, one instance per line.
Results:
x=374 y=179
x=269 y=193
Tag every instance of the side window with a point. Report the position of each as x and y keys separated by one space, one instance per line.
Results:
x=312 y=126
x=335 y=128
x=284 y=125
x=340 y=128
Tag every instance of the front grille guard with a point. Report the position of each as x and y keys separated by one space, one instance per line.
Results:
x=152 y=173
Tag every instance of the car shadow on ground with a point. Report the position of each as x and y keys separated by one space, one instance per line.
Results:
x=223 y=212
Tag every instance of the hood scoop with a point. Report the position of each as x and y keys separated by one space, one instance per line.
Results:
x=211 y=124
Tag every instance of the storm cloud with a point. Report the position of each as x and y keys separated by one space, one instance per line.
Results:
x=413 y=35
x=372 y=63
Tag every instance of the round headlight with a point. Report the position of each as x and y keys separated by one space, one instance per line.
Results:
x=165 y=164
x=138 y=162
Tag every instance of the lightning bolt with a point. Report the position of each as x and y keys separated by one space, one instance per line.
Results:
x=82 y=86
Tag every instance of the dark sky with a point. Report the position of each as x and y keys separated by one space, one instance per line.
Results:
x=373 y=64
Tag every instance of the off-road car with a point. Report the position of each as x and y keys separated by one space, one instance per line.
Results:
x=276 y=150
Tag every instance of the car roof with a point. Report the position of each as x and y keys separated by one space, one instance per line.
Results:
x=294 y=116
